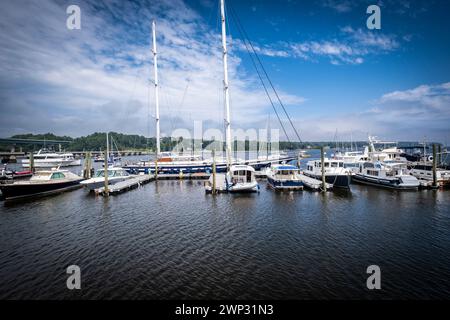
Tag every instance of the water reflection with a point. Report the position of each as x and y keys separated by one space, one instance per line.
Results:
x=168 y=239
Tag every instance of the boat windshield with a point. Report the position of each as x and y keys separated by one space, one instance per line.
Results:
x=111 y=173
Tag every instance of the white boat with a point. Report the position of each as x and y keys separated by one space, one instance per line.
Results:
x=385 y=154
x=335 y=172
x=352 y=159
x=239 y=178
x=42 y=183
x=391 y=175
x=115 y=174
x=424 y=171
x=284 y=177
x=45 y=159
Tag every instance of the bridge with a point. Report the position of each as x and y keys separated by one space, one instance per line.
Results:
x=32 y=141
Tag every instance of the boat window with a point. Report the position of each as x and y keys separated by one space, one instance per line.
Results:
x=341 y=164
x=327 y=164
x=100 y=173
x=58 y=175
x=334 y=164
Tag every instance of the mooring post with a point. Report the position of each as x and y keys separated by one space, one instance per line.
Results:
x=434 y=166
x=32 y=162
x=439 y=154
x=156 y=167
x=322 y=165
x=214 y=171
x=106 y=191
x=87 y=165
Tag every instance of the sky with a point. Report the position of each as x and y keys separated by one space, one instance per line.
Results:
x=334 y=76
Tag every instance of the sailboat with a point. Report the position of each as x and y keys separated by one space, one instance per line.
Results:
x=173 y=163
x=239 y=178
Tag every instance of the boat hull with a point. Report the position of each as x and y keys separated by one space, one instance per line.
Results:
x=173 y=168
x=243 y=188
x=50 y=164
x=11 y=191
x=382 y=183
x=284 y=184
x=339 y=181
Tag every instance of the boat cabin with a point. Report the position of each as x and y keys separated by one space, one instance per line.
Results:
x=242 y=174
x=328 y=163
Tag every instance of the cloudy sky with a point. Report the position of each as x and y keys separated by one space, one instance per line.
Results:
x=331 y=72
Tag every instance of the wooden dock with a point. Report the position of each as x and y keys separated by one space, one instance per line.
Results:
x=314 y=184
x=126 y=185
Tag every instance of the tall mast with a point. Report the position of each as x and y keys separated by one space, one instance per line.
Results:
x=225 y=85
x=155 y=67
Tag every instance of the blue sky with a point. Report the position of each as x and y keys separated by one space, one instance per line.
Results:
x=331 y=72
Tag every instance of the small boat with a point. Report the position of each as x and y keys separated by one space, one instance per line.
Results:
x=239 y=178
x=284 y=177
x=335 y=172
x=390 y=175
x=6 y=174
x=115 y=174
x=42 y=183
x=45 y=159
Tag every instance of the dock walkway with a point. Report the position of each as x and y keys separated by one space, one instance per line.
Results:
x=126 y=185
x=314 y=184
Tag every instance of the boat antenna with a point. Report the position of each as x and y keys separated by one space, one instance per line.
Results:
x=155 y=68
x=225 y=85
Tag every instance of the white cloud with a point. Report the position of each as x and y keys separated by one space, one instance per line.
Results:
x=340 y=6
x=350 y=48
x=97 y=78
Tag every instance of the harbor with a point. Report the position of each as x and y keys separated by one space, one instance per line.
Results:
x=224 y=150
x=168 y=239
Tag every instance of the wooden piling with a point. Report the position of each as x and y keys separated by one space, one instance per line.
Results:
x=434 y=166
x=322 y=165
x=32 y=168
x=87 y=166
x=214 y=171
x=106 y=166
x=439 y=154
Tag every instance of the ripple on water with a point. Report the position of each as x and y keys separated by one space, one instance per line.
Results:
x=170 y=240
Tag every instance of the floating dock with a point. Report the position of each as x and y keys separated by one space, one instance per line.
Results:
x=314 y=184
x=126 y=185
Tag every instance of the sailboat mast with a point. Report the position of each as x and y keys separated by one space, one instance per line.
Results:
x=225 y=85
x=155 y=67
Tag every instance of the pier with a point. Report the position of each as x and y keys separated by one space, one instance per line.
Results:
x=125 y=185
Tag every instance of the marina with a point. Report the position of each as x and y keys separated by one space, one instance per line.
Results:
x=224 y=150
x=150 y=241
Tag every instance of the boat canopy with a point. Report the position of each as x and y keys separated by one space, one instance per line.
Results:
x=241 y=167
x=285 y=167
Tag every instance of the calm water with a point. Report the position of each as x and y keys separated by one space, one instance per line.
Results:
x=170 y=240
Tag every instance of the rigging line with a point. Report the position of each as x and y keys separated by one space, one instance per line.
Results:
x=267 y=76
x=262 y=82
